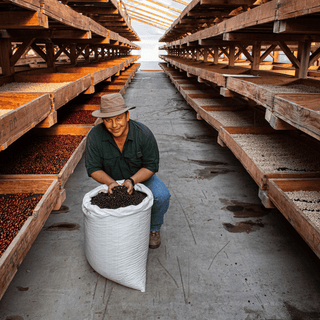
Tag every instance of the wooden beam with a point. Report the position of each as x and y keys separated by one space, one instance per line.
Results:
x=22 y=20
x=150 y=7
x=244 y=50
x=149 y=23
x=5 y=54
x=267 y=52
x=142 y=16
x=237 y=3
x=145 y=11
x=315 y=56
x=182 y=2
x=298 y=26
x=21 y=50
x=165 y=6
x=304 y=56
x=289 y=54
x=38 y=51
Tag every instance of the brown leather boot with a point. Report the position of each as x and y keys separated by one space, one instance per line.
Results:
x=155 y=239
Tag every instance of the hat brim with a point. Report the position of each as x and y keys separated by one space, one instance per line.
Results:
x=99 y=114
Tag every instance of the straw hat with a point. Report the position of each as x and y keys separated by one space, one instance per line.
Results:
x=111 y=105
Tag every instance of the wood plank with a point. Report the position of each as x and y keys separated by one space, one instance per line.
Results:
x=300 y=110
x=77 y=83
x=27 y=111
x=72 y=162
x=303 y=225
x=17 y=250
x=258 y=89
x=23 y=20
x=259 y=176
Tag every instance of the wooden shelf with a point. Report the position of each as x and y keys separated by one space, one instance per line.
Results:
x=69 y=166
x=17 y=250
x=27 y=110
x=259 y=175
x=307 y=228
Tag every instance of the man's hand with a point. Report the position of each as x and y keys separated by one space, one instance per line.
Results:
x=111 y=186
x=128 y=184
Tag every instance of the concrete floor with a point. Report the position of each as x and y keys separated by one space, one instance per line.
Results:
x=214 y=262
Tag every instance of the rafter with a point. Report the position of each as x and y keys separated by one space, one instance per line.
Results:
x=150 y=7
x=151 y=24
x=165 y=6
x=145 y=11
x=151 y=20
x=182 y=2
x=165 y=24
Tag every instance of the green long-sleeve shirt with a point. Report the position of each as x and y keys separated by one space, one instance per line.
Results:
x=140 y=151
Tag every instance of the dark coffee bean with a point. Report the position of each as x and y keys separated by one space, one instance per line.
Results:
x=119 y=198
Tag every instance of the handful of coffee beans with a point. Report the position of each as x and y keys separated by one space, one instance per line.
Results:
x=119 y=198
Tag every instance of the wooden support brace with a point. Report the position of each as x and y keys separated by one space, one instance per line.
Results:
x=5 y=54
x=220 y=142
x=289 y=54
x=199 y=117
x=245 y=52
x=231 y=55
x=50 y=54
x=62 y=196
x=256 y=49
x=276 y=123
x=227 y=93
x=21 y=50
x=303 y=56
x=265 y=200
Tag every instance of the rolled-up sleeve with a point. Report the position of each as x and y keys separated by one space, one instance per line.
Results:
x=93 y=160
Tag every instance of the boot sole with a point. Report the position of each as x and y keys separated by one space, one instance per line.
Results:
x=154 y=247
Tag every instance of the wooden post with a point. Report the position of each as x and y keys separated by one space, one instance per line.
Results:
x=215 y=54
x=87 y=54
x=197 y=54
x=73 y=53
x=205 y=54
x=256 y=48
x=50 y=54
x=232 y=49
x=5 y=54
x=304 y=56
x=276 y=56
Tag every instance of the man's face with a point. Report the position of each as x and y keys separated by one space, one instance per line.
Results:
x=118 y=126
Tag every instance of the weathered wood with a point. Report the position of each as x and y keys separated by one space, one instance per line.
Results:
x=69 y=167
x=77 y=83
x=27 y=111
x=23 y=20
x=261 y=178
x=303 y=225
x=265 y=200
x=276 y=123
x=17 y=250
x=256 y=89
x=5 y=54
x=300 y=110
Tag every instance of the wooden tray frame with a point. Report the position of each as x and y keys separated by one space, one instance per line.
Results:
x=303 y=225
x=27 y=111
x=255 y=172
x=69 y=167
x=17 y=250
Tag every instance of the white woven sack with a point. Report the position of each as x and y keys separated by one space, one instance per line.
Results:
x=117 y=240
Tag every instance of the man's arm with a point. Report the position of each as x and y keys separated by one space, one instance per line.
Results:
x=101 y=177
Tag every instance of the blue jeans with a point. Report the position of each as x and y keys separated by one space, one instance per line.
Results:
x=161 y=197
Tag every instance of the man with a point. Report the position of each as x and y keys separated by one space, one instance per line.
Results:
x=121 y=148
